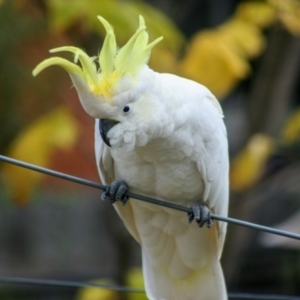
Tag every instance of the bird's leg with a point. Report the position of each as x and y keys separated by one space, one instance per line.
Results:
x=201 y=214
x=116 y=191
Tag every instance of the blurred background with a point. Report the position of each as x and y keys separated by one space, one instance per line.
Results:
x=246 y=52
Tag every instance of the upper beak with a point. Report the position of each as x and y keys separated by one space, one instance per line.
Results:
x=104 y=126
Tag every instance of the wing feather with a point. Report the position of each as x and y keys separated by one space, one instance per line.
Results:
x=105 y=165
x=212 y=161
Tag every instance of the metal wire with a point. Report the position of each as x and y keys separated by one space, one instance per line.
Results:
x=70 y=284
x=78 y=284
x=147 y=199
x=249 y=296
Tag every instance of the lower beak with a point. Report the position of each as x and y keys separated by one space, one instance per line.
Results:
x=104 y=126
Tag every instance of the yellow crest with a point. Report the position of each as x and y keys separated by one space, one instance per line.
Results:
x=113 y=63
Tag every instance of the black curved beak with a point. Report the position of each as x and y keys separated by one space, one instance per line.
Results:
x=104 y=126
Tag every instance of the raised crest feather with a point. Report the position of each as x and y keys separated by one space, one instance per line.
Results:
x=109 y=49
x=113 y=63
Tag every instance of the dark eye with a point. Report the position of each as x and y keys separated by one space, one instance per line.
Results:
x=126 y=108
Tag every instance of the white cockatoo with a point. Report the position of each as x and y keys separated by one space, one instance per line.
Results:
x=162 y=136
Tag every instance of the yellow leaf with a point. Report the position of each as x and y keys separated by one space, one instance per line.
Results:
x=291 y=131
x=35 y=144
x=134 y=279
x=163 y=60
x=257 y=13
x=243 y=38
x=210 y=61
x=247 y=167
x=219 y=58
x=95 y=293
x=292 y=22
x=288 y=12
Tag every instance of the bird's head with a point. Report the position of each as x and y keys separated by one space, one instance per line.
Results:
x=115 y=92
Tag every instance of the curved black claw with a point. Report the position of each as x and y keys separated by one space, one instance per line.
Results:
x=116 y=192
x=201 y=214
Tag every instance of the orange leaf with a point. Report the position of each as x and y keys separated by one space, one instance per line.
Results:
x=35 y=144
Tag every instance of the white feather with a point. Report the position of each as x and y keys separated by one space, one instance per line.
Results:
x=180 y=156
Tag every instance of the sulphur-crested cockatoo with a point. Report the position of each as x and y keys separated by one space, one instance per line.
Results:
x=162 y=136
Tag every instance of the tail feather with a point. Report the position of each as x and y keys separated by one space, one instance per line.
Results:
x=180 y=260
x=205 y=283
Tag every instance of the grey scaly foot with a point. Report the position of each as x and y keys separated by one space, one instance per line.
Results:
x=201 y=214
x=116 y=191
